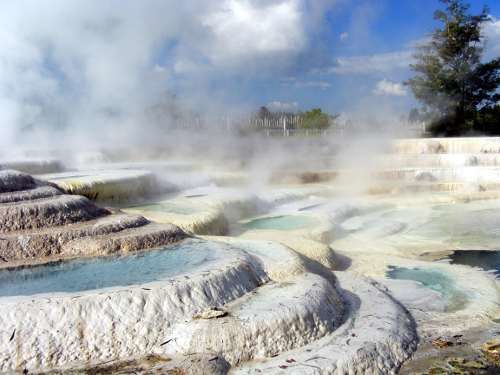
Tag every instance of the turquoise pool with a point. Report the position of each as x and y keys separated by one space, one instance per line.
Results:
x=112 y=271
x=282 y=222
x=432 y=279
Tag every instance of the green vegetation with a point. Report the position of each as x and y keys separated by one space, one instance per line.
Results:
x=459 y=91
x=312 y=119
x=316 y=119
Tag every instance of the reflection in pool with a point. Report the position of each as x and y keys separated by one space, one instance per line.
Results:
x=95 y=273
x=487 y=260
x=282 y=222
x=432 y=279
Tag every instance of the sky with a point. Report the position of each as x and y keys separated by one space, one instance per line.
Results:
x=359 y=57
x=75 y=63
x=369 y=46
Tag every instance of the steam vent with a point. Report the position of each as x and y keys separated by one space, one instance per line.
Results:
x=185 y=270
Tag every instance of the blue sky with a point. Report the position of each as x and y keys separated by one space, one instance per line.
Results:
x=356 y=31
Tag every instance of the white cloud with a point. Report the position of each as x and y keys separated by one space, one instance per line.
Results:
x=282 y=106
x=389 y=88
x=343 y=36
x=377 y=63
x=245 y=28
x=491 y=31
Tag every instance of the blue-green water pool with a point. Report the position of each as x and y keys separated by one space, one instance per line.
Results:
x=111 y=271
x=282 y=222
x=432 y=279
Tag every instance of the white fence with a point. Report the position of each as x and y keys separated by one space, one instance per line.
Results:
x=286 y=125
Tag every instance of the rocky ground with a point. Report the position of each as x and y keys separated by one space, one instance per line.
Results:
x=37 y=220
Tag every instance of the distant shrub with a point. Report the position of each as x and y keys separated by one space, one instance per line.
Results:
x=315 y=119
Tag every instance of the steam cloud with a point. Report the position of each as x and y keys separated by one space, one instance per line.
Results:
x=88 y=69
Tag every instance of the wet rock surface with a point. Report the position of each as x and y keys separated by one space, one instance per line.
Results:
x=47 y=212
x=26 y=195
x=37 y=220
x=11 y=180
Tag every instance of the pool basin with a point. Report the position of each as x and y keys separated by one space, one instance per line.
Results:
x=104 y=272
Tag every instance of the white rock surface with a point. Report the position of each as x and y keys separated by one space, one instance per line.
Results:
x=46 y=331
x=106 y=185
x=376 y=337
x=272 y=319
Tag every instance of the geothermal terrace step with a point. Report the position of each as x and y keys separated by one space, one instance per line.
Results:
x=49 y=241
x=47 y=212
x=447 y=145
x=271 y=319
x=143 y=237
x=107 y=185
x=438 y=186
x=448 y=187
x=15 y=181
x=99 y=326
x=466 y=174
x=32 y=194
x=37 y=220
x=376 y=338
x=439 y=160
x=210 y=221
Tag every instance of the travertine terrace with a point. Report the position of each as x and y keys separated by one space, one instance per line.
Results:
x=38 y=220
x=294 y=277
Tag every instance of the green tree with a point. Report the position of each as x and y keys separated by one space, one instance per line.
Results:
x=453 y=84
x=315 y=119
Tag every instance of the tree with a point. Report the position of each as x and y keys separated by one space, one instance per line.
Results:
x=451 y=81
x=315 y=119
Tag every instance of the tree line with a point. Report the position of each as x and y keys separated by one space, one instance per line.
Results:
x=314 y=118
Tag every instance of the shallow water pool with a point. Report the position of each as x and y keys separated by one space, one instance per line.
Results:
x=432 y=279
x=282 y=222
x=111 y=271
x=168 y=207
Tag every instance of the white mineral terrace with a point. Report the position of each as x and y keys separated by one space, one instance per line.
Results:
x=199 y=270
